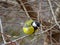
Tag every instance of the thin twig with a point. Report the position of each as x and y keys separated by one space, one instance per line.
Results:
x=2 y=32
x=57 y=4
x=52 y=38
x=53 y=13
x=25 y=9
x=44 y=31
x=17 y=39
x=47 y=29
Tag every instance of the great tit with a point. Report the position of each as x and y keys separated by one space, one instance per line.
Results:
x=30 y=27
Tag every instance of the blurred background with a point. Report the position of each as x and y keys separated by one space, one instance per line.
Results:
x=13 y=18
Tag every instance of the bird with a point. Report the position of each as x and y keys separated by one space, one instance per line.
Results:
x=30 y=27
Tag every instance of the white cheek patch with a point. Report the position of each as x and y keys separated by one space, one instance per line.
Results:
x=34 y=24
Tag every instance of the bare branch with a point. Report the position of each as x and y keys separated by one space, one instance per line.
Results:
x=53 y=13
x=2 y=32
x=24 y=9
x=57 y=4
x=18 y=39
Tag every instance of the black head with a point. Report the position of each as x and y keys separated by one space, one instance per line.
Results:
x=36 y=24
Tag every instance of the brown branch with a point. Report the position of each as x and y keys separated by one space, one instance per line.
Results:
x=28 y=8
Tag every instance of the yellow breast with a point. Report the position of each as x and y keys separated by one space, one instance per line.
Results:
x=28 y=30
